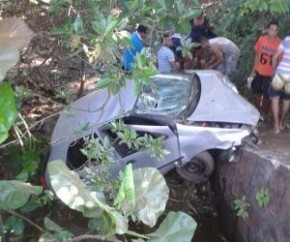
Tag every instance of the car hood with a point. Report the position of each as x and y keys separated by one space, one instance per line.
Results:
x=220 y=103
x=93 y=109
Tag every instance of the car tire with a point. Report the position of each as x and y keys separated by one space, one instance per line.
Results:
x=199 y=169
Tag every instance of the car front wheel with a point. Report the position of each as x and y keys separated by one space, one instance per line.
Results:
x=198 y=169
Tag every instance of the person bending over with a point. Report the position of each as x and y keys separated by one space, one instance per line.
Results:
x=224 y=54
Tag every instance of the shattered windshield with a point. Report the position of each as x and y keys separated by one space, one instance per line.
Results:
x=170 y=95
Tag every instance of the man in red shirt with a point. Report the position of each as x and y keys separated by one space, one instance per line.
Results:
x=263 y=71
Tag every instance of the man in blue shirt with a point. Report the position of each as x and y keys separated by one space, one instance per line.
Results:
x=136 y=46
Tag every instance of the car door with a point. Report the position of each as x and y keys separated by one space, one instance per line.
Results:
x=145 y=124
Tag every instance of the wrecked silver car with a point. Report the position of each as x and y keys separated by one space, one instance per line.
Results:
x=195 y=113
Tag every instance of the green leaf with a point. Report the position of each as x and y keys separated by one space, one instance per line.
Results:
x=176 y=227
x=192 y=14
x=120 y=222
x=15 y=194
x=125 y=199
x=22 y=176
x=14 y=225
x=245 y=215
x=58 y=233
x=8 y=110
x=50 y=225
x=104 y=83
x=78 y=25
x=100 y=225
x=71 y=190
x=151 y=194
x=112 y=222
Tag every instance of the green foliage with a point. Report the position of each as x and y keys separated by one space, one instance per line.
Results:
x=8 y=110
x=176 y=227
x=113 y=79
x=151 y=194
x=25 y=161
x=262 y=197
x=244 y=22
x=13 y=225
x=14 y=36
x=55 y=232
x=143 y=194
x=92 y=28
x=278 y=6
x=126 y=195
x=22 y=94
x=127 y=135
x=155 y=146
x=71 y=190
x=143 y=69
x=15 y=194
x=241 y=206
x=99 y=30
x=186 y=47
x=100 y=154
x=95 y=149
x=36 y=202
x=64 y=94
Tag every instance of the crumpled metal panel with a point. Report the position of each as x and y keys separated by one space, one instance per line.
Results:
x=194 y=139
x=219 y=103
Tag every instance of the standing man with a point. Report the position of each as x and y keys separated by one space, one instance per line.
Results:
x=225 y=54
x=136 y=46
x=280 y=85
x=263 y=71
x=165 y=55
x=200 y=26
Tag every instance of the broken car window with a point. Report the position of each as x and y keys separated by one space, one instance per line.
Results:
x=167 y=95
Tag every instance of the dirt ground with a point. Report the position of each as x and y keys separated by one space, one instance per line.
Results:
x=274 y=146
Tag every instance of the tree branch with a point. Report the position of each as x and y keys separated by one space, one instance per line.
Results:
x=90 y=236
x=25 y=219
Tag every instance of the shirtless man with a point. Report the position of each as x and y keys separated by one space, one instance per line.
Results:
x=225 y=54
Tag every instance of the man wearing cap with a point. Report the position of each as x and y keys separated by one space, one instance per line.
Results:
x=165 y=55
x=136 y=46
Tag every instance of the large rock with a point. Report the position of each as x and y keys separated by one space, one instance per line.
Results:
x=245 y=178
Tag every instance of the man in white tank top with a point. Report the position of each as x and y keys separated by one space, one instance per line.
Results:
x=225 y=54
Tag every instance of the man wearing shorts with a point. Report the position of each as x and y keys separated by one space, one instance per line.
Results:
x=280 y=85
x=263 y=72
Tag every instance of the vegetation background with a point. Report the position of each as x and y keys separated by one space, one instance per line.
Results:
x=76 y=45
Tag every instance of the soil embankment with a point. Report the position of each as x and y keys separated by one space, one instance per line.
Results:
x=254 y=171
